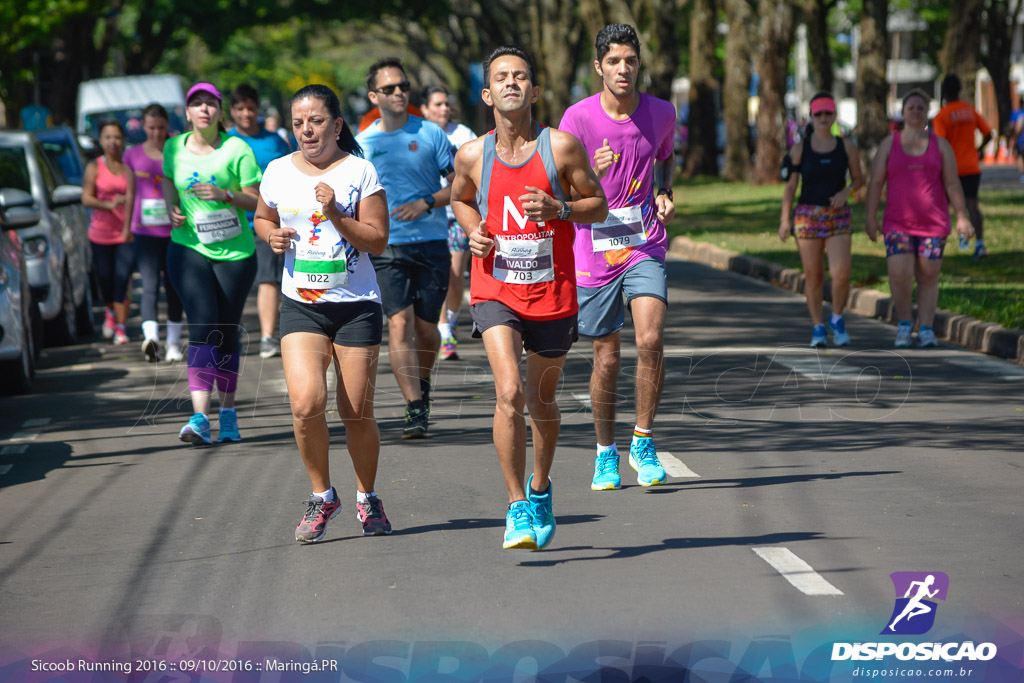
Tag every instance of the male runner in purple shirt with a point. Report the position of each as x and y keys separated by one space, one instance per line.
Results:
x=621 y=262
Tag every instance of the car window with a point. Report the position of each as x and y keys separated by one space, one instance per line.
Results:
x=50 y=179
x=14 y=169
x=65 y=156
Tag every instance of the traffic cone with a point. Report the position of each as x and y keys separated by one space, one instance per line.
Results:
x=990 y=154
x=1004 y=154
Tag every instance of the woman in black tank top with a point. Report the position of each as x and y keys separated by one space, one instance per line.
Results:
x=821 y=220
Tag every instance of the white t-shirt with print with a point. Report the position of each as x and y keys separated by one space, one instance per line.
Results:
x=293 y=193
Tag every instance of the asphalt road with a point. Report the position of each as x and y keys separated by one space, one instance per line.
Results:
x=802 y=480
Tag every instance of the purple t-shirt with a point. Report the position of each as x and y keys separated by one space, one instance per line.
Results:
x=644 y=137
x=149 y=217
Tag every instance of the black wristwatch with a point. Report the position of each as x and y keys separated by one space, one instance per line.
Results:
x=563 y=213
x=429 y=199
x=668 y=191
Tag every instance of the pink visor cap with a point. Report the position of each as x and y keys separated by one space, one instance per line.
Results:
x=203 y=87
x=823 y=104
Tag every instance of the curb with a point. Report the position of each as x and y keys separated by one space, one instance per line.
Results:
x=962 y=330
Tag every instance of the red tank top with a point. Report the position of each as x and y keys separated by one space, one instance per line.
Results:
x=531 y=269
x=916 y=201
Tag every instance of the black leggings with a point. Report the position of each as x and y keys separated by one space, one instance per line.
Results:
x=112 y=264
x=213 y=294
x=151 y=260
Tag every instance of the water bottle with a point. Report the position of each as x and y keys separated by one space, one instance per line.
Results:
x=964 y=243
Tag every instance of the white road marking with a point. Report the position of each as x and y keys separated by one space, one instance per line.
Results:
x=36 y=422
x=990 y=366
x=4 y=469
x=796 y=571
x=14 y=450
x=582 y=398
x=25 y=436
x=819 y=369
x=675 y=467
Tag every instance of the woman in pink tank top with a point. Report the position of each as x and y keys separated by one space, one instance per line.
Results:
x=920 y=169
x=105 y=191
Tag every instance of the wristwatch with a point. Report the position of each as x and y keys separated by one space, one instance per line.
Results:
x=429 y=199
x=668 y=191
x=230 y=195
x=563 y=213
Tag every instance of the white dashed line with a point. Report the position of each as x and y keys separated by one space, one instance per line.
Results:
x=14 y=450
x=582 y=398
x=816 y=369
x=675 y=467
x=25 y=436
x=989 y=366
x=36 y=422
x=796 y=571
x=4 y=469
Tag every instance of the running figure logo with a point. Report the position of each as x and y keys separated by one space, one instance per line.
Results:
x=914 y=612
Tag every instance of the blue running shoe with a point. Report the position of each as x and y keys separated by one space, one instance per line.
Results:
x=518 y=527
x=228 y=427
x=839 y=335
x=818 y=337
x=196 y=431
x=606 y=471
x=541 y=513
x=644 y=459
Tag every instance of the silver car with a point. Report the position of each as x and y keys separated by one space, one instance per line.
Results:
x=19 y=315
x=57 y=251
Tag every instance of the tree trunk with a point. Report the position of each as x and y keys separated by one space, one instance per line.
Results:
x=962 y=45
x=1001 y=18
x=736 y=92
x=820 y=59
x=778 y=28
x=702 y=150
x=663 y=52
x=872 y=86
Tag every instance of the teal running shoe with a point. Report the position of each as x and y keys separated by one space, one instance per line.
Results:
x=839 y=334
x=818 y=339
x=541 y=513
x=196 y=431
x=644 y=459
x=228 y=427
x=606 y=471
x=518 y=527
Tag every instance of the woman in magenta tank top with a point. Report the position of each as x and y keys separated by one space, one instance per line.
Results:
x=920 y=169
x=147 y=219
x=105 y=191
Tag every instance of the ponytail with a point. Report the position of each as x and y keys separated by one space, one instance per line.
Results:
x=347 y=141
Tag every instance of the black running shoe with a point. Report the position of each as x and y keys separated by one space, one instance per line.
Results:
x=415 y=423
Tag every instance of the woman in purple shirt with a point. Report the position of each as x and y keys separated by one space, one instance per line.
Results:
x=151 y=229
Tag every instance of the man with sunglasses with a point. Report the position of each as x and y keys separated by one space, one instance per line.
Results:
x=411 y=156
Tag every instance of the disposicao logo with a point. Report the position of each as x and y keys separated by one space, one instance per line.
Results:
x=914 y=612
x=914 y=615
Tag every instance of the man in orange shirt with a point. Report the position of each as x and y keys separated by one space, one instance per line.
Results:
x=957 y=122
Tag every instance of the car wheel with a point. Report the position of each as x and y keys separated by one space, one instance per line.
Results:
x=86 y=326
x=64 y=328
x=22 y=370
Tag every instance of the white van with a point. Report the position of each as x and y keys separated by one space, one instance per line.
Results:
x=124 y=98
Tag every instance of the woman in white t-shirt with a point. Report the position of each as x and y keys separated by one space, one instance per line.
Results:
x=325 y=209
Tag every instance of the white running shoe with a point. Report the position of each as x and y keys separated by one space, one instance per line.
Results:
x=173 y=354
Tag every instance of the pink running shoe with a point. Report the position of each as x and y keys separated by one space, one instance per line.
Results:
x=313 y=526
x=371 y=514
x=449 y=348
x=109 y=325
x=120 y=335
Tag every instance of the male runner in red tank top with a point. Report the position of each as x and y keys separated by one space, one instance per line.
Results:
x=511 y=194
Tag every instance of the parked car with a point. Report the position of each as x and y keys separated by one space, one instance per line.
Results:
x=57 y=251
x=20 y=325
x=62 y=147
